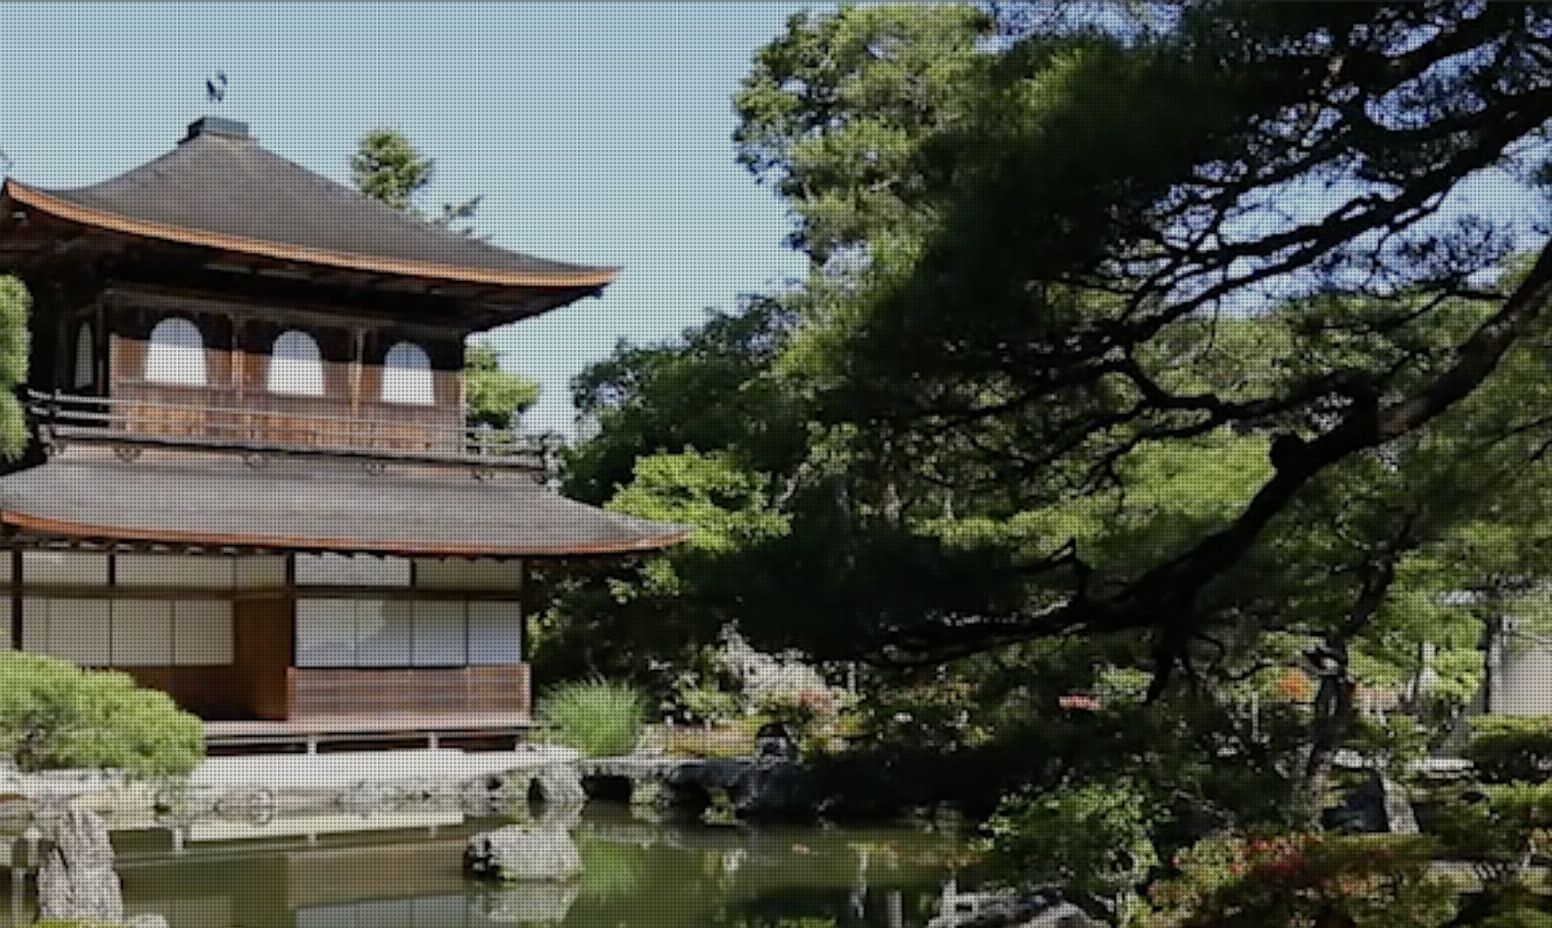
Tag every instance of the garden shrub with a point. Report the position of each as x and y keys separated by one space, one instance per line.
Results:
x=1505 y=750
x=1370 y=881
x=598 y=717
x=54 y=715
x=1093 y=841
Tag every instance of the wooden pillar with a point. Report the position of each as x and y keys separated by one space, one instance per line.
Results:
x=523 y=600
x=357 y=358
x=239 y=375
x=100 y=348
x=16 y=593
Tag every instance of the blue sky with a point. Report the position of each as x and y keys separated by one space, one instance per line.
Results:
x=598 y=132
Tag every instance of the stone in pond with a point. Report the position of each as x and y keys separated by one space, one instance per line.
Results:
x=520 y=852
x=76 y=881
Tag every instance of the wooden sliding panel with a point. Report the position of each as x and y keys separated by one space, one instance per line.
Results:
x=264 y=642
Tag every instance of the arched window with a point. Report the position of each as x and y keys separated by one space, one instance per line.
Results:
x=84 y=357
x=407 y=375
x=176 y=354
x=295 y=366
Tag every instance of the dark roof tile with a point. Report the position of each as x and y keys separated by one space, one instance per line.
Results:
x=312 y=504
x=228 y=192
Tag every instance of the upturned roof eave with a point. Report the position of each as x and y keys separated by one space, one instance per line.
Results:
x=44 y=202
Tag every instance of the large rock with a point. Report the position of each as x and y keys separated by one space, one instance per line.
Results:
x=1040 y=908
x=520 y=852
x=560 y=787
x=76 y=881
x=760 y=790
x=528 y=903
x=1380 y=805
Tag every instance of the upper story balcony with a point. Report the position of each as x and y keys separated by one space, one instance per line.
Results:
x=142 y=415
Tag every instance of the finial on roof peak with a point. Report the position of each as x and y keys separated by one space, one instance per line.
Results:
x=216 y=125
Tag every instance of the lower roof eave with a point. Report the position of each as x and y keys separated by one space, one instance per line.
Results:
x=216 y=502
x=109 y=536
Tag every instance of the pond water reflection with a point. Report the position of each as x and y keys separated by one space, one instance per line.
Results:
x=637 y=875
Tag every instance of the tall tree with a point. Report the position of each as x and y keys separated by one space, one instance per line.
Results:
x=387 y=167
x=1091 y=212
x=834 y=109
x=494 y=397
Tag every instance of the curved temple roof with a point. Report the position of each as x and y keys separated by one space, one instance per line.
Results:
x=215 y=500
x=224 y=191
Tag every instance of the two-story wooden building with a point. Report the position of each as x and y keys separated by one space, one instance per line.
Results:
x=259 y=493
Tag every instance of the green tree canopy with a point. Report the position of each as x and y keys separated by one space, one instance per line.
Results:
x=713 y=390
x=387 y=167
x=15 y=304
x=1093 y=215
x=494 y=397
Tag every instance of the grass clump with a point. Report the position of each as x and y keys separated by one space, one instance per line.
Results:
x=598 y=717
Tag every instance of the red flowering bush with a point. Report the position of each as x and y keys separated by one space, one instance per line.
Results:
x=1302 y=881
x=1295 y=686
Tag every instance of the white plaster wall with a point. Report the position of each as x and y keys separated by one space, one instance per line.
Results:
x=1523 y=683
x=65 y=567
x=138 y=570
x=468 y=575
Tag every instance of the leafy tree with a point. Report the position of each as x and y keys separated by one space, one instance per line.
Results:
x=493 y=396
x=1095 y=841
x=834 y=111
x=387 y=167
x=15 y=303
x=636 y=618
x=713 y=390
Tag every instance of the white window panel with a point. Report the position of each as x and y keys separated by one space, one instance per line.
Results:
x=79 y=630
x=495 y=633
x=176 y=354
x=142 y=632
x=202 y=632
x=35 y=624
x=211 y=573
x=84 y=375
x=259 y=572
x=407 y=376
x=65 y=567
x=325 y=633
x=295 y=367
x=384 y=633
x=338 y=570
x=468 y=575
x=5 y=567
x=439 y=634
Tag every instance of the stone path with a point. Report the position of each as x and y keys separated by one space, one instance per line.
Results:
x=281 y=772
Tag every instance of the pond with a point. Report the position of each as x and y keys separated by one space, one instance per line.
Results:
x=637 y=875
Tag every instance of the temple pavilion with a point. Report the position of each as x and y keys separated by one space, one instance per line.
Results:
x=258 y=492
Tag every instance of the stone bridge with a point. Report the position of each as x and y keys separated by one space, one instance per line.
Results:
x=718 y=790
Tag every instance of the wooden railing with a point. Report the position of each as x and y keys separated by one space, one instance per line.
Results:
x=429 y=691
x=298 y=425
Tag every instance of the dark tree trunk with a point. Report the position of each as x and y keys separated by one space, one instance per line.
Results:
x=1334 y=714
